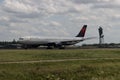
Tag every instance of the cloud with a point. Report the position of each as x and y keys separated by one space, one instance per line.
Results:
x=18 y=6
x=90 y=1
x=4 y=18
x=54 y=23
x=58 y=17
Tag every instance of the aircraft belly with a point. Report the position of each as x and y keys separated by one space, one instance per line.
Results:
x=34 y=42
x=70 y=42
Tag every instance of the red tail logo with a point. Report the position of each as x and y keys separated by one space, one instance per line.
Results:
x=82 y=32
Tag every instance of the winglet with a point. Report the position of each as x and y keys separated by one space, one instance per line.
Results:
x=82 y=31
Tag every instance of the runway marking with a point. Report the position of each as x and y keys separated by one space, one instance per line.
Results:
x=60 y=60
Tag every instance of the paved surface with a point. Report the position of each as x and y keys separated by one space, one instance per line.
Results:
x=60 y=60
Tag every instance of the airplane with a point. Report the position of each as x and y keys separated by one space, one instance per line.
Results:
x=53 y=42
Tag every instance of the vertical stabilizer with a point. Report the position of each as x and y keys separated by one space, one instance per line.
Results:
x=82 y=31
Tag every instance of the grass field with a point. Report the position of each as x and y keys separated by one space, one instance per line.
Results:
x=98 y=69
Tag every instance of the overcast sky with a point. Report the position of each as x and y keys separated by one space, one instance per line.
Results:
x=59 y=18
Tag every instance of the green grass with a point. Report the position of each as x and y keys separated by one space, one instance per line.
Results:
x=72 y=70
x=28 y=55
x=98 y=69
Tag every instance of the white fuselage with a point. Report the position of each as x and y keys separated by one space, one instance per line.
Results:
x=46 y=40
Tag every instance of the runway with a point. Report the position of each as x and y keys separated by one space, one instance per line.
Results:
x=60 y=60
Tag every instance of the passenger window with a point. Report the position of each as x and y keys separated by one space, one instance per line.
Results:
x=20 y=38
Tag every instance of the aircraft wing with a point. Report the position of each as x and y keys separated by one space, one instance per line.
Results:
x=71 y=42
x=89 y=38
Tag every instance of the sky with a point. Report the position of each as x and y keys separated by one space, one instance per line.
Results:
x=60 y=18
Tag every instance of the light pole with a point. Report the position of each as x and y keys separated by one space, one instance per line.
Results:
x=101 y=36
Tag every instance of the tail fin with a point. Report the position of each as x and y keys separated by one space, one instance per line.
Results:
x=82 y=32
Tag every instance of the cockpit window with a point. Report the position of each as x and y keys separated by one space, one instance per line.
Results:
x=20 y=38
